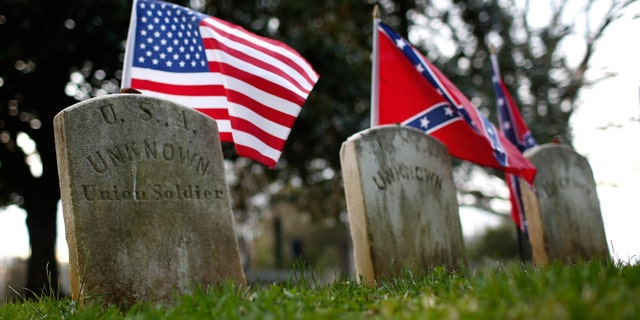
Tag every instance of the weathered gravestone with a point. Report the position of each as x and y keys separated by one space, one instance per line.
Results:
x=145 y=200
x=403 y=211
x=563 y=214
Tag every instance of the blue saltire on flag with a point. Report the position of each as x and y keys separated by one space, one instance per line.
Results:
x=515 y=129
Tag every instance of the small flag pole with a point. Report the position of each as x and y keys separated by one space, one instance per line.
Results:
x=520 y=244
x=375 y=68
x=128 y=54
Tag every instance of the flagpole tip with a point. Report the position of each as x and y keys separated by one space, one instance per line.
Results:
x=376 y=11
x=492 y=49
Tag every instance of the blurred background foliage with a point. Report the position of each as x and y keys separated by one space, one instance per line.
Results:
x=55 y=54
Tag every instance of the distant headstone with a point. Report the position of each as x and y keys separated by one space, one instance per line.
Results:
x=403 y=211
x=563 y=214
x=145 y=200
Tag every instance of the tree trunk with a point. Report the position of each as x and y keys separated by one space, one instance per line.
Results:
x=41 y=204
x=42 y=271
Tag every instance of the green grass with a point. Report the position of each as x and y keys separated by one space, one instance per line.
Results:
x=588 y=290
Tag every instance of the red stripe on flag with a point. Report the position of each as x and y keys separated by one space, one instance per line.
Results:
x=226 y=137
x=181 y=90
x=245 y=151
x=241 y=124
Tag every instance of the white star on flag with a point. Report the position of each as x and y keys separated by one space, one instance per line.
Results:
x=448 y=111
x=424 y=122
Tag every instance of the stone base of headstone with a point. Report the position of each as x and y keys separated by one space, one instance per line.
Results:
x=145 y=200
x=563 y=214
x=401 y=200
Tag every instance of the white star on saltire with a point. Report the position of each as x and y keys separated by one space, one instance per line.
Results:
x=424 y=122
x=507 y=125
x=420 y=68
x=400 y=44
x=448 y=111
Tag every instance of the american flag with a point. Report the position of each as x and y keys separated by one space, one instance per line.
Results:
x=254 y=87
x=515 y=129
x=413 y=92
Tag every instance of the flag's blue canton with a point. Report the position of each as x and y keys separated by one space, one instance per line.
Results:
x=523 y=141
x=433 y=118
x=421 y=68
x=168 y=38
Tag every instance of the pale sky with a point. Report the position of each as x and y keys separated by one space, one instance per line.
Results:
x=606 y=131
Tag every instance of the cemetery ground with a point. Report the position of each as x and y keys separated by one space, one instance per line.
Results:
x=583 y=290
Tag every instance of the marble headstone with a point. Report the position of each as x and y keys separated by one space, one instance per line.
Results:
x=145 y=200
x=563 y=214
x=401 y=199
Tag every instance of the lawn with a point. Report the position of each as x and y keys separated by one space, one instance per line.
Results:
x=586 y=290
